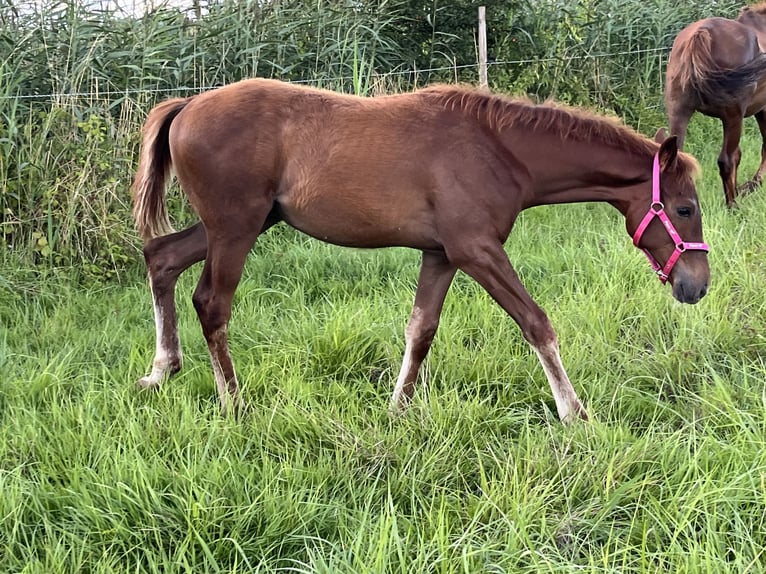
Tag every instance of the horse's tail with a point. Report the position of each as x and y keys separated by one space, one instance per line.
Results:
x=698 y=71
x=149 y=210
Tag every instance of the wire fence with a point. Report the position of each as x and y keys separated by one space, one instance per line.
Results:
x=393 y=73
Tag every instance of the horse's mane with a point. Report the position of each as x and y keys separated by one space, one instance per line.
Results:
x=500 y=112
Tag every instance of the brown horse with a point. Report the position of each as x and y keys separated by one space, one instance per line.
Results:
x=718 y=67
x=444 y=170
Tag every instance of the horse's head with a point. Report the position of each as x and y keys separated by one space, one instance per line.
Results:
x=665 y=221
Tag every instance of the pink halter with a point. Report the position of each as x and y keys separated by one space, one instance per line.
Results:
x=657 y=209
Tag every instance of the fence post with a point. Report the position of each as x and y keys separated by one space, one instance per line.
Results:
x=482 y=48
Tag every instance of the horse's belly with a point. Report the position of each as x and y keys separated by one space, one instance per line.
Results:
x=361 y=220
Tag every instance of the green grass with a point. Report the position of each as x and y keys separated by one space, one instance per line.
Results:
x=479 y=476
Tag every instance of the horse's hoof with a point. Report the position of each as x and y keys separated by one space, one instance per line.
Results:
x=397 y=409
x=146 y=383
x=747 y=188
x=235 y=408
x=582 y=413
x=578 y=412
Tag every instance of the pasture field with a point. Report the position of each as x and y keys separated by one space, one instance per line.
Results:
x=479 y=475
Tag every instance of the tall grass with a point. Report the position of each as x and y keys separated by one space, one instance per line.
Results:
x=479 y=476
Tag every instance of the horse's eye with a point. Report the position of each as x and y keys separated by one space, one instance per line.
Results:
x=684 y=212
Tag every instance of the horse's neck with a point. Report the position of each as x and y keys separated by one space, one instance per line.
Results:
x=760 y=33
x=588 y=173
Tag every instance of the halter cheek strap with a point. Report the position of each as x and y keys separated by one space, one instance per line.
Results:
x=657 y=209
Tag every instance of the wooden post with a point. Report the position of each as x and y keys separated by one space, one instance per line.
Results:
x=483 y=48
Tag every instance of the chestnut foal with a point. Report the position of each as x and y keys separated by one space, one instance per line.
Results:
x=445 y=170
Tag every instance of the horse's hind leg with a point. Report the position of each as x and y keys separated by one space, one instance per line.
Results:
x=166 y=258
x=754 y=183
x=228 y=246
x=728 y=160
x=436 y=274
x=678 y=119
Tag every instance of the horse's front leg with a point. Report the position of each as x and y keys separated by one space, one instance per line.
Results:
x=728 y=159
x=488 y=264
x=436 y=274
x=166 y=258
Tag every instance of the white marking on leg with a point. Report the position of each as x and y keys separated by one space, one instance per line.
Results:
x=567 y=403
x=399 y=398
x=220 y=381
x=162 y=356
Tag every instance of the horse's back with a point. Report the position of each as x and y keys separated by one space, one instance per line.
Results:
x=270 y=117
x=346 y=169
x=729 y=44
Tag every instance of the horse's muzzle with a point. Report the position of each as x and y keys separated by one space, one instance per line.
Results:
x=689 y=291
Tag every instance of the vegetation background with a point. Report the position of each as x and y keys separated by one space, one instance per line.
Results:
x=479 y=476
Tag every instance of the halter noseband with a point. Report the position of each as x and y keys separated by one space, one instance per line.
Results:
x=657 y=209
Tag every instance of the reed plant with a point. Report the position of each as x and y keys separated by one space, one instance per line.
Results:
x=76 y=83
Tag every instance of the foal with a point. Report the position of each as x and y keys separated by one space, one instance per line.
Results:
x=443 y=170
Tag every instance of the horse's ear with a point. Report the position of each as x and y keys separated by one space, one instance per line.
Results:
x=661 y=135
x=668 y=152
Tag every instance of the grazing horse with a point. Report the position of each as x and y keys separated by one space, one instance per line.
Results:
x=717 y=67
x=444 y=170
